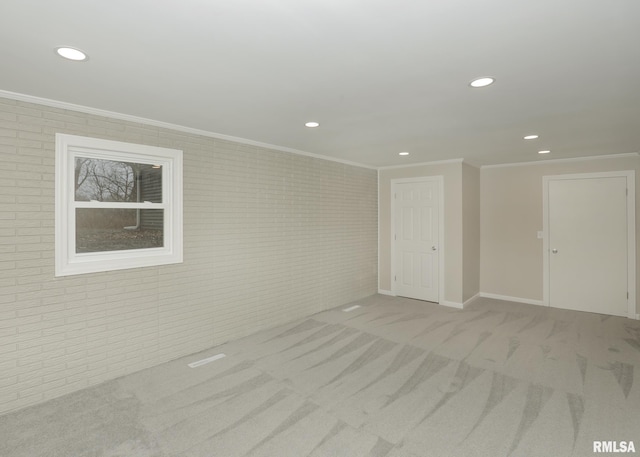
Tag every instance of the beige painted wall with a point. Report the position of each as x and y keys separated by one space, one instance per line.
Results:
x=269 y=237
x=511 y=216
x=453 y=242
x=470 y=231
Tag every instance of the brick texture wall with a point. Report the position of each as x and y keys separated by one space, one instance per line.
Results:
x=269 y=236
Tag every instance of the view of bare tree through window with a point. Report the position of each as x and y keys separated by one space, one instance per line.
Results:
x=113 y=229
x=104 y=180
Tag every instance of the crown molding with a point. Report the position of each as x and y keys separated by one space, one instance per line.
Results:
x=167 y=125
x=572 y=159
x=435 y=162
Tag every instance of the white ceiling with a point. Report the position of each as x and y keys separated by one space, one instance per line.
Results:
x=380 y=76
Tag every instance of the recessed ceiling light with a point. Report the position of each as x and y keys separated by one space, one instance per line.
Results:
x=531 y=137
x=403 y=153
x=71 y=53
x=312 y=124
x=544 y=152
x=482 y=82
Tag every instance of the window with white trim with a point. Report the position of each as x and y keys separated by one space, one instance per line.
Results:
x=118 y=205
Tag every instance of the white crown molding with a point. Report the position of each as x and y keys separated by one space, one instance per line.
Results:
x=411 y=165
x=472 y=163
x=572 y=159
x=180 y=128
x=167 y=125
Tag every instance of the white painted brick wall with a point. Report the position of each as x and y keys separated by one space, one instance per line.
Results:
x=269 y=237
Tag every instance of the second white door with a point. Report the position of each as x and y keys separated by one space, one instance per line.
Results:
x=417 y=239
x=588 y=244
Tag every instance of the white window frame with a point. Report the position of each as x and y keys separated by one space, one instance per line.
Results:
x=67 y=260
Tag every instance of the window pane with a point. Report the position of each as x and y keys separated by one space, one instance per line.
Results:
x=112 y=181
x=99 y=230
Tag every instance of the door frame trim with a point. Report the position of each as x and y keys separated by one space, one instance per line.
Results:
x=439 y=180
x=631 y=231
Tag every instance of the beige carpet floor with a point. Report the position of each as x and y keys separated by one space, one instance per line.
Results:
x=392 y=378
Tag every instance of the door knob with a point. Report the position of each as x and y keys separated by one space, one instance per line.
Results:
x=433 y=248
x=555 y=251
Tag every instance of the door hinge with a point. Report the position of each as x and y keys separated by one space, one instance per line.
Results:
x=627 y=295
x=395 y=278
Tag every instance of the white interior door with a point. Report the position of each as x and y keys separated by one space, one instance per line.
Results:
x=588 y=244
x=416 y=239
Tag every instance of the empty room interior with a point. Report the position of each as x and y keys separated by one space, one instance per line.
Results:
x=284 y=228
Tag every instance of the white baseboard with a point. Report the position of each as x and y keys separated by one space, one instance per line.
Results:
x=452 y=304
x=475 y=297
x=528 y=301
x=456 y=305
x=386 y=292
